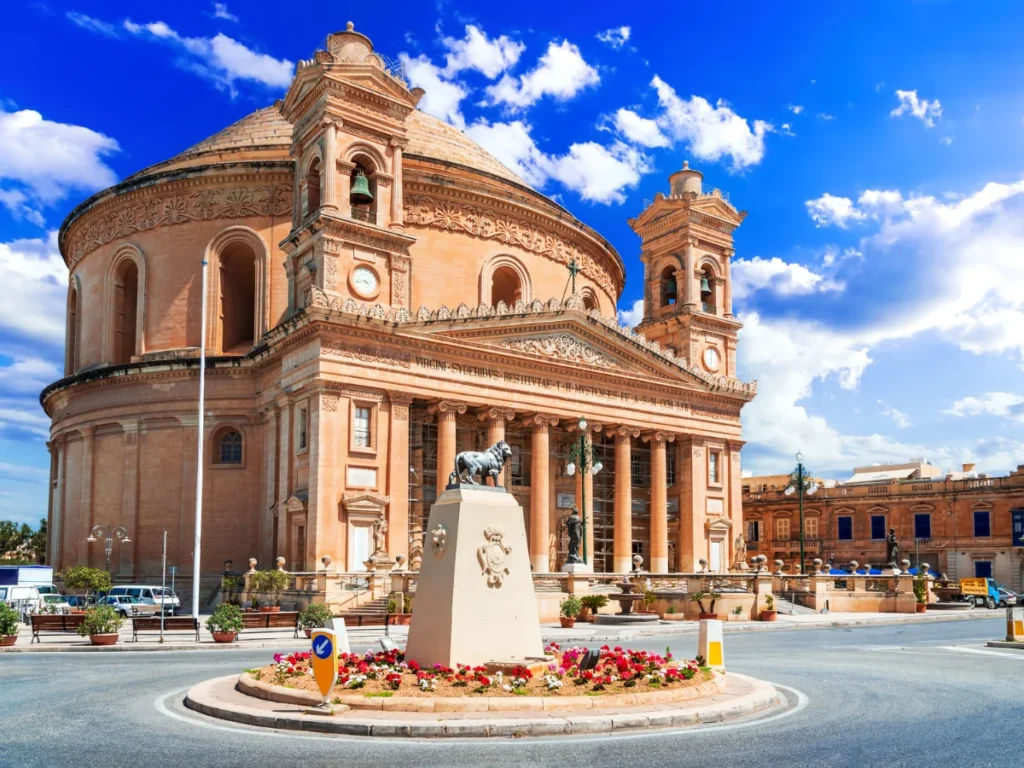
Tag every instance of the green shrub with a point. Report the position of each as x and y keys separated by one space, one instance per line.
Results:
x=101 y=620
x=769 y=602
x=407 y=604
x=269 y=585
x=671 y=609
x=82 y=579
x=226 y=618
x=921 y=589
x=649 y=597
x=9 y=620
x=316 y=616
x=594 y=602
x=570 y=607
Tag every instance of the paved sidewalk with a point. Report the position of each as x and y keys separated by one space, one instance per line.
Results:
x=581 y=633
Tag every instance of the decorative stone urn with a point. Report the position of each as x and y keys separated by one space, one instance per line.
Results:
x=280 y=563
x=252 y=565
x=326 y=561
x=778 y=567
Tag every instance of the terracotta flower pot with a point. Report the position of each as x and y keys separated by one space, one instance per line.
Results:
x=768 y=615
x=265 y=609
x=709 y=616
x=922 y=607
x=399 y=619
x=568 y=622
x=223 y=637
x=308 y=631
x=105 y=639
x=584 y=614
x=275 y=609
x=7 y=640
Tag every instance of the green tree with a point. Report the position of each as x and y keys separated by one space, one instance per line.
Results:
x=38 y=542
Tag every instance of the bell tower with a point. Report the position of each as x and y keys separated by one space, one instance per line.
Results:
x=348 y=108
x=686 y=247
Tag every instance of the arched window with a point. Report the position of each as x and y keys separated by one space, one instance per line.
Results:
x=589 y=299
x=72 y=332
x=668 y=286
x=311 y=188
x=707 y=291
x=237 y=298
x=362 y=192
x=125 y=309
x=229 y=447
x=505 y=286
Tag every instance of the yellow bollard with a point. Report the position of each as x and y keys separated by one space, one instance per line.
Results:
x=709 y=643
x=1015 y=625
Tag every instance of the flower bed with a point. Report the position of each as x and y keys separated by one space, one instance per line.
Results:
x=383 y=674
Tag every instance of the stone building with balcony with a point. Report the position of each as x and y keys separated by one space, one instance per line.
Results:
x=384 y=293
x=960 y=523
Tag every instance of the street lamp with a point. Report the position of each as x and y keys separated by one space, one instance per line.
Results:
x=108 y=535
x=581 y=456
x=799 y=488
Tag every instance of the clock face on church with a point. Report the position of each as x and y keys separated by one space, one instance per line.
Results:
x=364 y=282
x=712 y=359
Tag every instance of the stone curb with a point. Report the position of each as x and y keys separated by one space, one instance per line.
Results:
x=1016 y=644
x=258 y=689
x=199 y=699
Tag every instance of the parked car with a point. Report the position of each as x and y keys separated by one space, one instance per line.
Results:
x=23 y=599
x=55 y=603
x=80 y=603
x=159 y=596
x=127 y=605
x=47 y=589
x=1007 y=598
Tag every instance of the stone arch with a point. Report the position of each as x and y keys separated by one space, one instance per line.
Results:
x=239 y=290
x=73 y=332
x=227 y=445
x=590 y=300
x=506 y=267
x=124 y=319
x=357 y=148
x=311 y=181
x=708 y=266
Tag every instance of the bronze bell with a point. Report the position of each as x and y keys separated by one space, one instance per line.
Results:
x=360 y=193
x=705 y=287
x=670 y=288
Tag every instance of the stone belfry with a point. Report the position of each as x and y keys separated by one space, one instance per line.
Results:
x=686 y=249
x=348 y=109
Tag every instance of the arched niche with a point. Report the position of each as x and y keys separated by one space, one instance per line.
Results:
x=502 y=278
x=124 y=320
x=238 y=290
x=73 y=332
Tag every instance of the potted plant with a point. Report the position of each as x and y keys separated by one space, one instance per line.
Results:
x=737 y=611
x=768 y=614
x=569 y=609
x=316 y=616
x=921 y=592
x=225 y=623
x=101 y=624
x=649 y=598
x=672 y=614
x=270 y=585
x=81 y=579
x=700 y=597
x=9 y=625
x=590 y=605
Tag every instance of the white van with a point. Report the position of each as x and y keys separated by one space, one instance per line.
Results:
x=163 y=596
x=23 y=599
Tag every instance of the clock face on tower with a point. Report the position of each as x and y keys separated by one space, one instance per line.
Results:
x=711 y=359
x=364 y=282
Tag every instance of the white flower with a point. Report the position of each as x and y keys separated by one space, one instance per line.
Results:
x=506 y=688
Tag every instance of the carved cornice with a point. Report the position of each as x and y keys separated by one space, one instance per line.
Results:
x=659 y=437
x=452 y=407
x=622 y=432
x=541 y=419
x=563 y=346
x=485 y=221
x=397 y=397
x=495 y=413
x=175 y=202
x=322 y=222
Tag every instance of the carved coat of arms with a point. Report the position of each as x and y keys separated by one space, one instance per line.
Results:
x=439 y=538
x=493 y=557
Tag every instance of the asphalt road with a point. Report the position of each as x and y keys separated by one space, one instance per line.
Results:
x=916 y=695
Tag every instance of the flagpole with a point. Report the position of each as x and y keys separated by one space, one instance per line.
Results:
x=198 y=545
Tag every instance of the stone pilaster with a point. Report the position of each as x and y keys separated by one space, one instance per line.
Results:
x=129 y=555
x=692 y=504
x=85 y=483
x=447 y=412
x=691 y=294
x=540 y=490
x=623 y=525
x=658 y=562
x=269 y=500
x=398 y=473
x=396 y=187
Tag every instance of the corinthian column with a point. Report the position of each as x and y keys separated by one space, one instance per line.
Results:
x=330 y=168
x=540 y=490
x=623 y=528
x=447 y=412
x=659 y=502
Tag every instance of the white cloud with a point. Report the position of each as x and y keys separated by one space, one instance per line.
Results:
x=220 y=59
x=1003 y=404
x=616 y=37
x=829 y=209
x=786 y=130
x=35 y=283
x=640 y=130
x=926 y=111
x=778 y=277
x=634 y=315
x=597 y=173
x=946 y=140
x=710 y=132
x=91 y=24
x=796 y=109
x=879 y=86
x=28 y=375
x=42 y=161
x=220 y=11
x=477 y=52
x=826 y=116
x=560 y=73
x=899 y=417
x=23 y=415
x=443 y=98
x=881 y=202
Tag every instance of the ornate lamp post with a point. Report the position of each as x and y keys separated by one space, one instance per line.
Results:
x=581 y=456
x=799 y=483
x=108 y=534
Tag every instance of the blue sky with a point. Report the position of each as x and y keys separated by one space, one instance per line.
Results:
x=878 y=147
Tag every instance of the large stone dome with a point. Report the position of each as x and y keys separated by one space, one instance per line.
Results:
x=266 y=134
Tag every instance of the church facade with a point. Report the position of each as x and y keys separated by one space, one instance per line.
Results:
x=382 y=293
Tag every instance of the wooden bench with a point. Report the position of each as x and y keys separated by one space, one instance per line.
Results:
x=53 y=623
x=356 y=619
x=271 y=621
x=171 y=624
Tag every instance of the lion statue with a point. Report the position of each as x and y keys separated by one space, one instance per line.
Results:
x=483 y=463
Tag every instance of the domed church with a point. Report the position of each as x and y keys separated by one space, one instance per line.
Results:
x=382 y=294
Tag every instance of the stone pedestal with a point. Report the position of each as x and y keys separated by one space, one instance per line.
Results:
x=474 y=598
x=577 y=568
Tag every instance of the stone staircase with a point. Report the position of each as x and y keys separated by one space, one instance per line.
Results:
x=373 y=612
x=789 y=608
